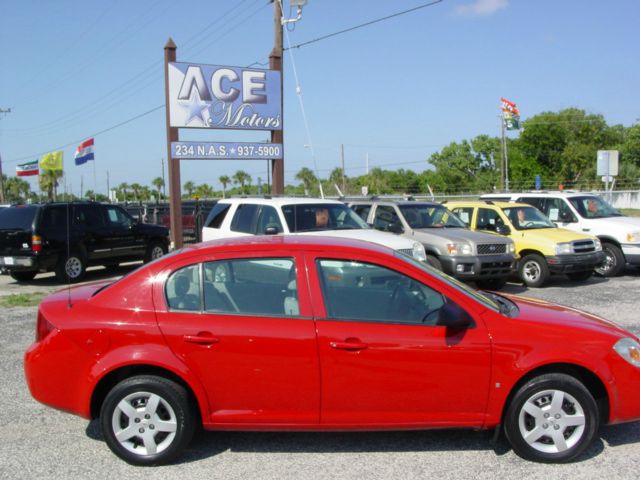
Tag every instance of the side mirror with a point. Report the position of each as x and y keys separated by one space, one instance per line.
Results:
x=395 y=228
x=503 y=229
x=451 y=315
x=271 y=231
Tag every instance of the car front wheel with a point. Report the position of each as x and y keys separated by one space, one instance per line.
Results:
x=552 y=418
x=147 y=420
x=533 y=270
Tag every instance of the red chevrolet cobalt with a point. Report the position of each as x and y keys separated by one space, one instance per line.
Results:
x=295 y=333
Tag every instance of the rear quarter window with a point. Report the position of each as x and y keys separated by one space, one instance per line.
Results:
x=217 y=215
x=17 y=218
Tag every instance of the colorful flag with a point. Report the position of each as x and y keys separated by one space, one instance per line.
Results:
x=27 y=169
x=84 y=152
x=510 y=114
x=52 y=161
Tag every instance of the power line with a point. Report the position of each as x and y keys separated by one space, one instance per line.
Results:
x=366 y=24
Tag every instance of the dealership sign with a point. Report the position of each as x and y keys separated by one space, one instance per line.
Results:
x=225 y=150
x=213 y=96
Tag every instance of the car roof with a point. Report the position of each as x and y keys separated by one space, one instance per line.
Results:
x=396 y=202
x=546 y=193
x=279 y=201
x=486 y=203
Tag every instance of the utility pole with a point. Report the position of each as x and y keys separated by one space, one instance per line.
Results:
x=2 y=196
x=108 y=189
x=342 y=155
x=164 y=192
x=277 y=136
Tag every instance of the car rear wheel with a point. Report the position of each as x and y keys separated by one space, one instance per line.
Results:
x=71 y=268
x=552 y=418
x=23 y=276
x=155 y=250
x=614 y=261
x=533 y=270
x=491 y=283
x=147 y=420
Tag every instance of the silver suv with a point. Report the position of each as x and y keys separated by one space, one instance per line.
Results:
x=450 y=246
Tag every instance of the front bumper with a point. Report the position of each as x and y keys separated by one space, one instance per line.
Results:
x=477 y=267
x=582 y=262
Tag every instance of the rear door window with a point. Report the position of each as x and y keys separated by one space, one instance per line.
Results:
x=244 y=219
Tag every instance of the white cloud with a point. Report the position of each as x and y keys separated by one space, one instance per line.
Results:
x=482 y=7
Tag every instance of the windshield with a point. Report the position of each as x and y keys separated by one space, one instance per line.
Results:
x=478 y=296
x=430 y=216
x=527 y=218
x=593 y=207
x=17 y=218
x=313 y=217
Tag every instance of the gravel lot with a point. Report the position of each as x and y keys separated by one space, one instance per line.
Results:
x=39 y=442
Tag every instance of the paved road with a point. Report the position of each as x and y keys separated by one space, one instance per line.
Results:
x=38 y=442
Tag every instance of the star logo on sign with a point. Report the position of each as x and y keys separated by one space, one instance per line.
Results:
x=195 y=108
x=233 y=151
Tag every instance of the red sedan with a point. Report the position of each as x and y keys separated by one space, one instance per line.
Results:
x=295 y=333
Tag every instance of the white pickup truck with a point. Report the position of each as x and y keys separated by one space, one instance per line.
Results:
x=234 y=217
x=588 y=213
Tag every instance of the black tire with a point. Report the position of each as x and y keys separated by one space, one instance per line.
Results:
x=71 y=268
x=491 y=283
x=153 y=250
x=23 y=276
x=614 y=261
x=542 y=431
x=434 y=262
x=167 y=427
x=533 y=270
x=580 y=276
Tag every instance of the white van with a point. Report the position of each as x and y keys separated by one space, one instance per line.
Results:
x=588 y=213
x=235 y=217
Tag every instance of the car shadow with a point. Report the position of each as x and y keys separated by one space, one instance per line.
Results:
x=93 y=274
x=206 y=444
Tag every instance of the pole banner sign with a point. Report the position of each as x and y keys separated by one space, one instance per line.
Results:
x=52 y=161
x=226 y=151
x=220 y=97
x=510 y=114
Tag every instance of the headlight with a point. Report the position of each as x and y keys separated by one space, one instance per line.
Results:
x=628 y=349
x=598 y=244
x=459 y=249
x=418 y=252
x=563 y=249
x=633 y=237
x=511 y=247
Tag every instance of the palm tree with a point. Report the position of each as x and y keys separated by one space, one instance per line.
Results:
x=377 y=180
x=189 y=187
x=337 y=177
x=224 y=180
x=48 y=181
x=123 y=187
x=158 y=182
x=241 y=178
x=308 y=178
x=16 y=189
x=204 y=191
x=136 y=187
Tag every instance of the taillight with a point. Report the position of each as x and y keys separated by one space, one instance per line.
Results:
x=36 y=243
x=43 y=327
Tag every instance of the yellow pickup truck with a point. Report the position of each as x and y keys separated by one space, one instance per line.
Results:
x=543 y=248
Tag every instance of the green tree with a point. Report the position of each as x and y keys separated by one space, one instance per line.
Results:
x=48 y=181
x=224 y=180
x=242 y=178
x=122 y=189
x=16 y=189
x=136 y=188
x=204 y=190
x=158 y=182
x=189 y=187
x=308 y=179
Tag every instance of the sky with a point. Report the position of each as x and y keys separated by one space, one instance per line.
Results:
x=394 y=92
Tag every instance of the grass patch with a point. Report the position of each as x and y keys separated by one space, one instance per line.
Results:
x=21 y=300
x=632 y=212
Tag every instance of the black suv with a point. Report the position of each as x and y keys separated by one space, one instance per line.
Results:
x=68 y=237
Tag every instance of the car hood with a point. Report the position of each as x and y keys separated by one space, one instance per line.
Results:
x=426 y=235
x=390 y=240
x=546 y=235
x=544 y=313
x=626 y=223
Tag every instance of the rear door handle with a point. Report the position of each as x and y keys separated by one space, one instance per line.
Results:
x=201 y=339
x=350 y=345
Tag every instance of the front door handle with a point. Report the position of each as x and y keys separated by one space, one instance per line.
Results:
x=350 y=344
x=203 y=338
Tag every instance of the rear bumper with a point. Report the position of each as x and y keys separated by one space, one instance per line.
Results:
x=28 y=263
x=478 y=267
x=574 y=263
